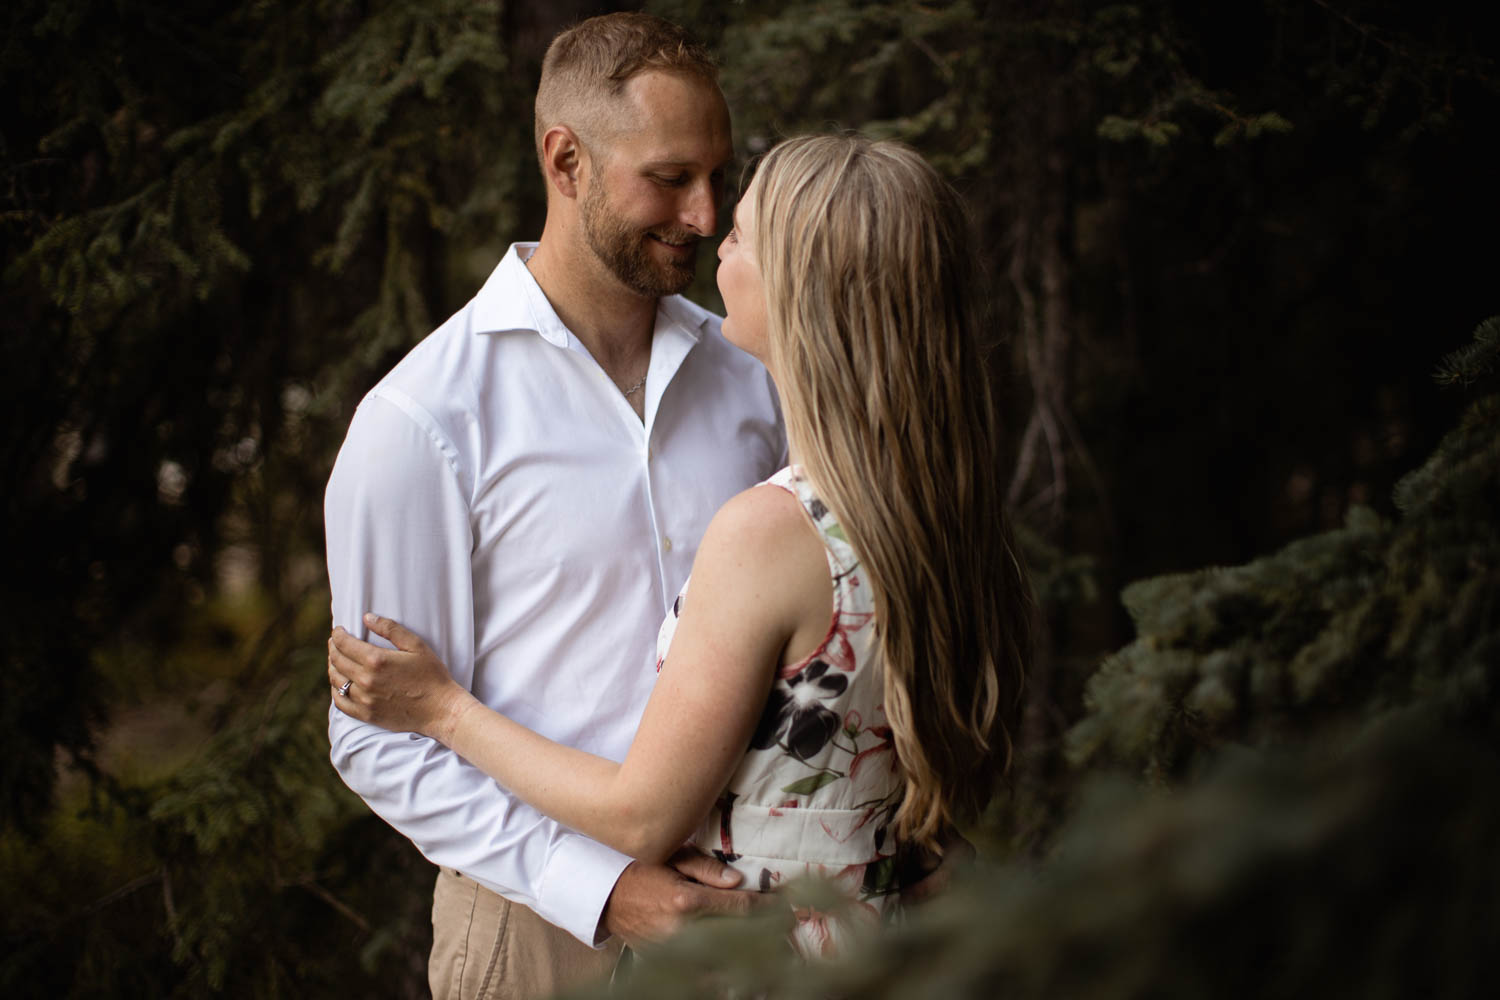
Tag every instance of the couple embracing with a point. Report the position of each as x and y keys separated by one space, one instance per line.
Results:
x=526 y=493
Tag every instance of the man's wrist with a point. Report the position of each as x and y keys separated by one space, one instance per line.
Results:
x=603 y=932
x=576 y=885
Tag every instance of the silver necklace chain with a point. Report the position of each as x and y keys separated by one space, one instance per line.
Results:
x=635 y=388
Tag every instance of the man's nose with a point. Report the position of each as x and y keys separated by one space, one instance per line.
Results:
x=700 y=209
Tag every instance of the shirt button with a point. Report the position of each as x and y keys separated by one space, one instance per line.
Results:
x=666 y=544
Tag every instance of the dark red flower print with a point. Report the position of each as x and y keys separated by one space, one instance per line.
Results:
x=794 y=717
x=844 y=837
x=837 y=650
x=887 y=744
x=725 y=851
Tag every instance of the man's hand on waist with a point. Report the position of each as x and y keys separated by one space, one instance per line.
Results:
x=651 y=902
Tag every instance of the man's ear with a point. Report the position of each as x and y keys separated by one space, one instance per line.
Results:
x=562 y=159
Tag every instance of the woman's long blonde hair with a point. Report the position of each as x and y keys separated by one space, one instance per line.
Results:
x=869 y=269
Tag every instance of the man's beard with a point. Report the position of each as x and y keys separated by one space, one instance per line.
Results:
x=623 y=249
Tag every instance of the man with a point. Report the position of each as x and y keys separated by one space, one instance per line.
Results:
x=526 y=490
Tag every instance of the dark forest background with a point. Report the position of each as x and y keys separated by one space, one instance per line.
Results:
x=1228 y=246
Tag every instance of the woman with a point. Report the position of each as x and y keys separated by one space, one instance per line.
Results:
x=840 y=679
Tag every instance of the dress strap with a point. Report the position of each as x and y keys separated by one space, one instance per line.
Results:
x=841 y=557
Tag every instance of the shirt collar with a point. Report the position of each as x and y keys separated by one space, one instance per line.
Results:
x=512 y=300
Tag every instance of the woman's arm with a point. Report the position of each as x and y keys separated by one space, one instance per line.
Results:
x=760 y=581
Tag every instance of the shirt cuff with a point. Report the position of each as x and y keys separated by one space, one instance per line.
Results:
x=578 y=879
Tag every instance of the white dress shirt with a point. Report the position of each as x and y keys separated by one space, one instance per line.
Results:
x=498 y=495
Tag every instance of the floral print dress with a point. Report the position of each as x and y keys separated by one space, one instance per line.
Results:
x=820 y=783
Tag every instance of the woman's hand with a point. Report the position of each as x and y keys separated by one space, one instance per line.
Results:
x=406 y=689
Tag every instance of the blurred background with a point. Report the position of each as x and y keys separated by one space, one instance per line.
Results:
x=1228 y=246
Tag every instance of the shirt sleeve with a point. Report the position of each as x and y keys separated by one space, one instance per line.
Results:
x=399 y=541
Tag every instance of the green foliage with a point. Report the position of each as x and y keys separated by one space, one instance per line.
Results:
x=1360 y=868
x=1145 y=55
x=1340 y=629
x=1157 y=133
x=221 y=222
x=1326 y=718
x=263 y=793
x=1474 y=361
x=252 y=870
x=261 y=198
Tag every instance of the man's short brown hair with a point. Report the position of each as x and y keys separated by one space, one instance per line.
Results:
x=589 y=64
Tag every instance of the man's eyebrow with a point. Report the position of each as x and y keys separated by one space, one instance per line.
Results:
x=668 y=163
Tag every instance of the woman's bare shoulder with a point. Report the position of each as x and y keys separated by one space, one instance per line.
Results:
x=763 y=555
x=763 y=520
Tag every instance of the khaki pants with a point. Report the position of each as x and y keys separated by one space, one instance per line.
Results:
x=486 y=947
